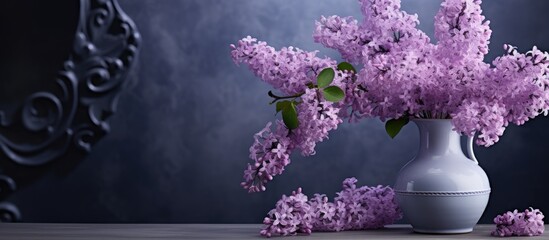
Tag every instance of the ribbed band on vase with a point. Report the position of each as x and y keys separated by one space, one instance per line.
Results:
x=442 y=194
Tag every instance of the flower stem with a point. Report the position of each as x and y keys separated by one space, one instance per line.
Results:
x=276 y=98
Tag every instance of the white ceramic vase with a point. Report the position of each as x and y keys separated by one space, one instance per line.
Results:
x=441 y=190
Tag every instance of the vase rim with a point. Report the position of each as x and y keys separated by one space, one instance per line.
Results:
x=430 y=119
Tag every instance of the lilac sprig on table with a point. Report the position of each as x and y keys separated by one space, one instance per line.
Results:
x=527 y=223
x=402 y=75
x=291 y=215
x=354 y=208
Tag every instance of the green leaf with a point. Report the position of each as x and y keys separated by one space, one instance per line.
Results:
x=289 y=116
x=325 y=77
x=394 y=126
x=346 y=66
x=333 y=93
x=281 y=105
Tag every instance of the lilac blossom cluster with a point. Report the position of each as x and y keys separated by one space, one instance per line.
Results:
x=354 y=208
x=289 y=70
x=515 y=91
x=271 y=150
x=290 y=216
x=402 y=75
x=527 y=223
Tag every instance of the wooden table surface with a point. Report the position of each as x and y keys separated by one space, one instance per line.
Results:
x=31 y=231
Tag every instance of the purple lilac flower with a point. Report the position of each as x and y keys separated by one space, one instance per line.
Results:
x=405 y=75
x=288 y=70
x=290 y=216
x=271 y=153
x=527 y=223
x=368 y=207
x=461 y=31
x=353 y=209
x=401 y=74
x=327 y=216
x=342 y=34
x=316 y=119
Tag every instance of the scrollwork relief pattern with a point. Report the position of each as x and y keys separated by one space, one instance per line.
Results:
x=8 y=211
x=74 y=111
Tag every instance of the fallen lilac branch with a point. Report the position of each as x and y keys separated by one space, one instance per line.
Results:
x=527 y=223
x=353 y=209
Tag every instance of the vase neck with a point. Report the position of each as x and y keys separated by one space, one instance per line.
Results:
x=437 y=137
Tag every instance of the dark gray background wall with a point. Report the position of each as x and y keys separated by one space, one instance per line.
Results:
x=180 y=138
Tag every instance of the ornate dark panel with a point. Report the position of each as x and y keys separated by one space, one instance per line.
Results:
x=71 y=114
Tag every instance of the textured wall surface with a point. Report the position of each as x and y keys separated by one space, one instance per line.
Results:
x=180 y=138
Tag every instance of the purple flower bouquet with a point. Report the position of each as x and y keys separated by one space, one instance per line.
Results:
x=403 y=75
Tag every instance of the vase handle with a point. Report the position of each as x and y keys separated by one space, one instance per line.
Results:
x=470 y=151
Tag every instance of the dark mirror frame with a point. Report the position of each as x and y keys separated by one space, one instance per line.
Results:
x=71 y=115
